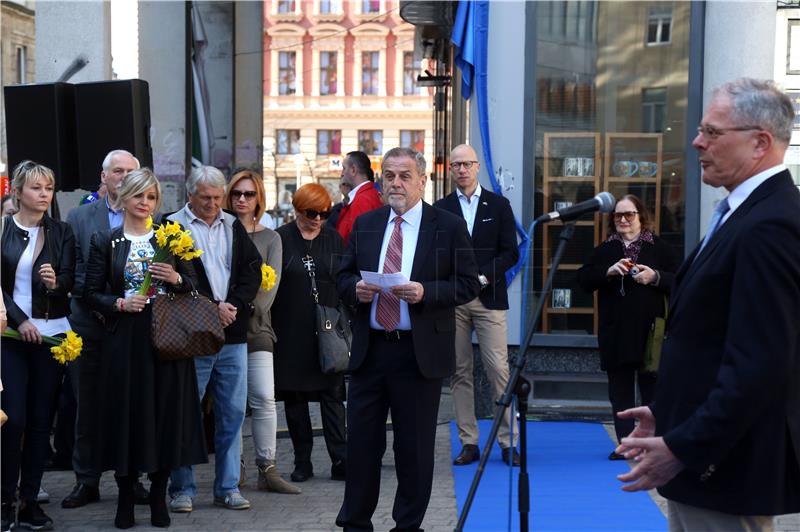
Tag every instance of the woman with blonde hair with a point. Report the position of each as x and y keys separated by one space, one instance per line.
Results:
x=310 y=247
x=246 y=198
x=149 y=413
x=38 y=269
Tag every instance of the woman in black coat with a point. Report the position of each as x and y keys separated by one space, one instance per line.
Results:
x=149 y=415
x=298 y=377
x=629 y=300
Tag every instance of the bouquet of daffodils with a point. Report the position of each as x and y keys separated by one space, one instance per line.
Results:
x=64 y=349
x=171 y=240
x=268 y=277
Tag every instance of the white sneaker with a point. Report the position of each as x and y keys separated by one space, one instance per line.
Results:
x=181 y=504
x=43 y=497
x=232 y=501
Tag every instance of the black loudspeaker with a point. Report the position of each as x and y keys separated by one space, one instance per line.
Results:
x=40 y=126
x=111 y=115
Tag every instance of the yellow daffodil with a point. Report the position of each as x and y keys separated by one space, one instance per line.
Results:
x=171 y=240
x=268 y=277
x=149 y=222
x=64 y=349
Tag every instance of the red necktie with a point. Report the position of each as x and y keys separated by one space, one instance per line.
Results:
x=388 y=311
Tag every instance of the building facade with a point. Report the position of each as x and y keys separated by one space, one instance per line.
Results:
x=338 y=76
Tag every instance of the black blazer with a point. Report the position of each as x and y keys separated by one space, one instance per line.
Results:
x=445 y=266
x=494 y=241
x=728 y=394
x=625 y=320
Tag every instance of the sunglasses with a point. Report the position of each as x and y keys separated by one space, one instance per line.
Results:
x=248 y=194
x=312 y=214
x=629 y=215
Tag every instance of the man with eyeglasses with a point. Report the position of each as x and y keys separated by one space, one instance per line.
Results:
x=721 y=441
x=363 y=197
x=490 y=222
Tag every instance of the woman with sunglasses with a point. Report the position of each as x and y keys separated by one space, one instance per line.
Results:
x=38 y=270
x=247 y=199
x=632 y=272
x=309 y=246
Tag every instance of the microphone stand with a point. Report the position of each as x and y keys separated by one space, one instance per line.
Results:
x=519 y=386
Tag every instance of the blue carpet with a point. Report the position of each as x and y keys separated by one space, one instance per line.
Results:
x=573 y=484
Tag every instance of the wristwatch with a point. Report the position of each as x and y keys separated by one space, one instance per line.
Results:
x=483 y=280
x=180 y=279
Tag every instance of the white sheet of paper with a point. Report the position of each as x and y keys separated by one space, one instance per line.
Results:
x=384 y=280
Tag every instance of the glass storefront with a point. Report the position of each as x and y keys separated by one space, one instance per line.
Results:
x=611 y=115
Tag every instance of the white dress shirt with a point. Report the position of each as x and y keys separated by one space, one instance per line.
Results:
x=410 y=228
x=352 y=194
x=469 y=206
x=746 y=187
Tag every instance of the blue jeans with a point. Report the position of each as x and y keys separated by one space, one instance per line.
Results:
x=226 y=375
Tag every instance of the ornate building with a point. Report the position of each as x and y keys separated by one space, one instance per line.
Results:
x=338 y=76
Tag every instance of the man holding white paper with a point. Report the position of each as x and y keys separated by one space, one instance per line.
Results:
x=403 y=338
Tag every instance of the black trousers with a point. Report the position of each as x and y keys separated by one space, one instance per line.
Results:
x=31 y=381
x=66 y=412
x=298 y=421
x=389 y=381
x=622 y=394
x=85 y=384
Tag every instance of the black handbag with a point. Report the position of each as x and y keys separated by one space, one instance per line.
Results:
x=334 y=336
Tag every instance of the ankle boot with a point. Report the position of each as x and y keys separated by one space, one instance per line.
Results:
x=269 y=479
x=159 y=516
x=125 y=501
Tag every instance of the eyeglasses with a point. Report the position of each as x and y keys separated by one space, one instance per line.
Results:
x=629 y=215
x=312 y=214
x=713 y=133
x=248 y=194
x=466 y=164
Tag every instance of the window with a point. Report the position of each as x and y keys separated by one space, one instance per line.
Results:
x=329 y=142
x=286 y=6
x=22 y=56
x=329 y=7
x=327 y=73
x=410 y=72
x=659 y=26
x=370 y=6
x=370 y=141
x=288 y=141
x=654 y=109
x=286 y=72
x=370 y=62
x=413 y=138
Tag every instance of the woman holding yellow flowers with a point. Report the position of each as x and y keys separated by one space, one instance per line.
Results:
x=38 y=268
x=149 y=417
x=246 y=199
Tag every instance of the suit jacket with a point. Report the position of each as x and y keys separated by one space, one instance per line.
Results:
x=85 y=221
x=445 y=266
x=367 y=199
x=728 y=394
x=494 y=241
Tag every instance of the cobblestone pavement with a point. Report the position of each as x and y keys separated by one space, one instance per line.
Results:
x=313 y=510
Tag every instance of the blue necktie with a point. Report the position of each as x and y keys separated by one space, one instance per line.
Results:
x=722 y=208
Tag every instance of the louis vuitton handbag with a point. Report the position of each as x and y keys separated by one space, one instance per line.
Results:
x=334 y=335
x=655 y=338
x=186 y=325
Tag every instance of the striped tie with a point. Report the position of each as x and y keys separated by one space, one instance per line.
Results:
x=388 y=311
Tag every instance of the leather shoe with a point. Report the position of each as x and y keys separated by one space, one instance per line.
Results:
x=469 y=453
x=513 y=454
x=81 y=495
x=302 y=472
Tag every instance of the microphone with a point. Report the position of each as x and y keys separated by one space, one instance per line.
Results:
x=603 y=202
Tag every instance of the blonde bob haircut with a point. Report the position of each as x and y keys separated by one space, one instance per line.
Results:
x=138 y=182
x=261 y=194
x=26 y=173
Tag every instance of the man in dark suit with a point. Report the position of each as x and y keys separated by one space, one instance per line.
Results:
x=490 y=222
x=722 y=439
x=85 y=221
x=402 y=339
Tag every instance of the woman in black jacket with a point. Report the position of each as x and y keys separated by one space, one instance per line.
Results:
x=38 y=268
x=149 y=415
x=629 y=299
